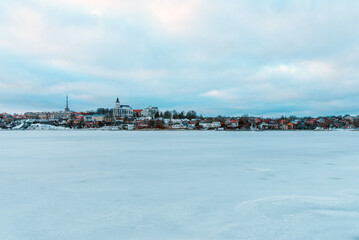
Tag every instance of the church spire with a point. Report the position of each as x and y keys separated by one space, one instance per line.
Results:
x=67 y=103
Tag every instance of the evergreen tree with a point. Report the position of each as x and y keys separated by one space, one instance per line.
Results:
x=167 y=114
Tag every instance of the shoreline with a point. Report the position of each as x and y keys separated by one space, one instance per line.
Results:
x=173 y=130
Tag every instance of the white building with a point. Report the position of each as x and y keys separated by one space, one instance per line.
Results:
x=210 y=125
x=178 y=126
x=149 y=112
x=59 y=115
x=122 y=110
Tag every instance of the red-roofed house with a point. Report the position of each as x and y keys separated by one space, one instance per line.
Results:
x=138 y=112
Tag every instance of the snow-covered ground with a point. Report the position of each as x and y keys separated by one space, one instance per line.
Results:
x=39 y=126
x=188 y=185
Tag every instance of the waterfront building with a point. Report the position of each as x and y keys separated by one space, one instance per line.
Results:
x=149 y=112
x=120 y=111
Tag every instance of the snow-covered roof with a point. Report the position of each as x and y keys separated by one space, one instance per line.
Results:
x=125 y=106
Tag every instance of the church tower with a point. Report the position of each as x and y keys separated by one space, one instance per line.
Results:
x=116 y=109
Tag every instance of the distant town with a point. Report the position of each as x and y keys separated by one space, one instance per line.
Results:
x=124 y=117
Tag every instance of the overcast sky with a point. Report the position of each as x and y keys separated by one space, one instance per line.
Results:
x=232 y=57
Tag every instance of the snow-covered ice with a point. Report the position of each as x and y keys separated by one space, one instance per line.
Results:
x=181 y=185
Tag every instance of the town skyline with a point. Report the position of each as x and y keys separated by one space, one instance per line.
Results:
x=267 y=58
x=67 y=108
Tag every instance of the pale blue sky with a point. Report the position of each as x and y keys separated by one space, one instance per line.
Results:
x=261 y=57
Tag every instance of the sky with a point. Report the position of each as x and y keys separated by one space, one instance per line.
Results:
x=233 y=57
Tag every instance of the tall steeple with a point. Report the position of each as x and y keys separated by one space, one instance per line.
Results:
x=116 y=109
x=67 y=103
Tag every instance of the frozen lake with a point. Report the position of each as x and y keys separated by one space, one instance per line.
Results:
x=183 y=185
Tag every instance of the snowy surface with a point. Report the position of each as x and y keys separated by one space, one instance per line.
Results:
x=39 y=126
x=182 y=185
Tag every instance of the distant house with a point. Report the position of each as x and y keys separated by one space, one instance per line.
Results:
x=99 y=118
x=31 y=115
x=59 y=115
x=44 y=115
x=263 y=126
x=210 y=125
x=138 y=112
x=89 y=118
x=191 y=126
x=89 y=121
x=288 y=126
x=312 y=121
x=230 y=123
x=19 y=116
x=78 y=119
x=128 y=126
x=178 y=126
x=149 y=112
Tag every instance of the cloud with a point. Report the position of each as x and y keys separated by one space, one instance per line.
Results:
x=134 y=75
x=96 y=12
x=226 y=94
x=251 y=57
x=284 y=69
x=177 y=17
